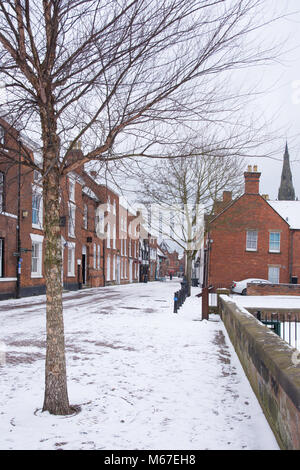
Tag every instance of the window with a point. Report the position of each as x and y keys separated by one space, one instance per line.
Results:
x=95 y=256
x=114 y=207
x=274 y=242
x=273 y=274
x=114 y=236
x=1 y=257
x=251 y=241
x=37 y=208
x=71 y=259
x=85 y=216
x=71 y=190
x=2 y=192
x=108 y=269
x=71 y=223
x=125 y=248
x=114 y=268
x=108 y=235
x=36 y=255
x=99 y=223
x=2 y=135
x=122 y=275
x=99 y=256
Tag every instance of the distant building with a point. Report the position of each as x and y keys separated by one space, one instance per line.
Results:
x=286 y=190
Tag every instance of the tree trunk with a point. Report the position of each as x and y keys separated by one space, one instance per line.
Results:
x=188 y=273
x=56 y=399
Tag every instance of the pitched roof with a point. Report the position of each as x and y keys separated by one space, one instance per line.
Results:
x=289 y=211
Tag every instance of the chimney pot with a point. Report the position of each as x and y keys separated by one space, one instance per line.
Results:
x=249 y=168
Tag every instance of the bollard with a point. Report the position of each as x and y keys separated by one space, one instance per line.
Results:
x=175 y=302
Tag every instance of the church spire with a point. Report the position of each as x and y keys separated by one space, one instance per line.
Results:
x=286 y=191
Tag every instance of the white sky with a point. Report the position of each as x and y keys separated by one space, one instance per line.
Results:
x=281 y=104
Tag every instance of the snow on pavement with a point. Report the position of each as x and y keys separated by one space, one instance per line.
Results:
x=145 y=378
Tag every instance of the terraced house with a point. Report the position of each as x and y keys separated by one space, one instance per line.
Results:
x=99 y=237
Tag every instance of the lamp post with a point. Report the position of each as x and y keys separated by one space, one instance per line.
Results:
x=19 y=259
x=205 y=289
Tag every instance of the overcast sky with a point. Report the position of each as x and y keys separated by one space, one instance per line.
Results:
x=281 y=104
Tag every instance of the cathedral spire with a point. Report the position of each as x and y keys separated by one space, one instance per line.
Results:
x=286 y=191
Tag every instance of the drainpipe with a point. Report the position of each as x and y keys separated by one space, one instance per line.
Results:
x=291 y=255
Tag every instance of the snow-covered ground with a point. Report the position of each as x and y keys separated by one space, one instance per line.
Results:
x=145 y=378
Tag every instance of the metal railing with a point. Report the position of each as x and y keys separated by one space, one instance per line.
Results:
x=285 y=324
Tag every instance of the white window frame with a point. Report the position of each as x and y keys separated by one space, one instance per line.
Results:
x=114 y=267
x=271 y=243
x=100 y=222
x=99 y=257
x=71 y=190
x=95 y=256
x=37 y=192
x=114 y=236
x=108 y=235
x=2 y=179
x=71 y=259
x=274 y=278
x=72 y=220
x=2 y=135
x=108 y=268
x=251 y=244
x=37 y=240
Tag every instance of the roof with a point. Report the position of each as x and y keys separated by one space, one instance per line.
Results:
x=289 y=211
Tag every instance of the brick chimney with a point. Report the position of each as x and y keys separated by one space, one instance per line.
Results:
x=252 y=180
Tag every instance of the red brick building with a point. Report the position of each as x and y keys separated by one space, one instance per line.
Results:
x=253 y=237
x=100 y=241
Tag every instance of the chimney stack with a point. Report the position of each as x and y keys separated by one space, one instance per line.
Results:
x=252 y=180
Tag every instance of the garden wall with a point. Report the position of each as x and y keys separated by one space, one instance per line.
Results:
x=272 y=368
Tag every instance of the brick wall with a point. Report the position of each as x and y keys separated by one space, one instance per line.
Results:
x=229 y=259
x=269 y=364
x=273 y=289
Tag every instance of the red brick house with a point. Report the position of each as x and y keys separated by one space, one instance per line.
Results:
x=99 y=245
x=253 y=237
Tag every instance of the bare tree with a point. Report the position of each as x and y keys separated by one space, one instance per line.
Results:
x=119 y=76
x=179 y=192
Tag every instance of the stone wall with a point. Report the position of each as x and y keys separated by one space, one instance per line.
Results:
x=273 y=289
x=272 y=368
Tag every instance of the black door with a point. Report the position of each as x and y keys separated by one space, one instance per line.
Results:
x=83 y=269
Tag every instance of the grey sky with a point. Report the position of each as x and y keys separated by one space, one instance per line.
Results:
x=281 y=104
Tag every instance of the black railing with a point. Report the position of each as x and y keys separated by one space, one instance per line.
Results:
x=285 y=324
x=180 y=296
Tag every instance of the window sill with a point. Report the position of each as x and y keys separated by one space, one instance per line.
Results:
x=37 y=227
x=251 y=251
x=7 y=279
x=275 y=252
x=36 y=276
